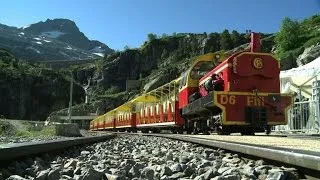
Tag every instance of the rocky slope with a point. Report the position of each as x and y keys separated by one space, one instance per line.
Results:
x=57 y=39
x=32 y=92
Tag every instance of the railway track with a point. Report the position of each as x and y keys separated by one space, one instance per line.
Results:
x=115 y=152
x=307 y=162
x=13 y=151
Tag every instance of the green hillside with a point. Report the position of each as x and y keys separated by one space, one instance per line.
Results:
x=31 y=91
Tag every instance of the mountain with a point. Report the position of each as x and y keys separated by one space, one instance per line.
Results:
x=57 y=39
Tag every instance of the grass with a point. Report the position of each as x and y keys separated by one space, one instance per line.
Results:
x=25 y=129
x=45 y=131
x=312 y=41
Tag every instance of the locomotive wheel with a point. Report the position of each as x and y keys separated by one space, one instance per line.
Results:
x=195 y=131
x=247 y=133
x=189 y=131
x=268 y=130
x=223 y=131
x=206 y=131
x=180 y=131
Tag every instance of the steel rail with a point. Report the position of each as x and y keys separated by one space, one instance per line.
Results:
x=18 y=150
x=302 y=159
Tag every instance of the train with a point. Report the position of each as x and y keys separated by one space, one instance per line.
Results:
x=237 y=93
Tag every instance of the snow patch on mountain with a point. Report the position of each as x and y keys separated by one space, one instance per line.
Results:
x=37 y=42
x=24 y=27
x=22 y=33
x=37 y=39
x=97 y=49
x=99 y=54
x=34 y=49
x=63 y=53
x=69 y=48
x=52 y=34
x=46 y=41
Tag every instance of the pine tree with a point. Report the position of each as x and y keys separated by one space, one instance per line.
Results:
x=236 y=39
x=152 y=36
x=164 y=35
x=126 y=47
x=288 y=36
x=214 y=42
x=225 y=41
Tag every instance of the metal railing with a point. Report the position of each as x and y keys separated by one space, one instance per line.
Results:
x=303 y=117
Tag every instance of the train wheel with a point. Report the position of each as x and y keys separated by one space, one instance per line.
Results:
x=268 y=130
x=206 y=132
x=195 y=131
x=223 y=131
x=174 y=131
x=180 y=131
x=155 y=130
x=247 y=133
x=145 y=131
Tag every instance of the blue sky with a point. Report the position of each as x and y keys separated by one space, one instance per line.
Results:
x=127 y=22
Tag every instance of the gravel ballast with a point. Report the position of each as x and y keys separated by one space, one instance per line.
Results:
x=144 y=157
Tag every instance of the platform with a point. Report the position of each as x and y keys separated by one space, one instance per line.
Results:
x=294 y=141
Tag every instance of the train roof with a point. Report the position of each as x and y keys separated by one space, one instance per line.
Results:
x=149 y=97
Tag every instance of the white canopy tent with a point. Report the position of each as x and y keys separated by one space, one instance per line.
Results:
x=301 y=78
x=300 y=81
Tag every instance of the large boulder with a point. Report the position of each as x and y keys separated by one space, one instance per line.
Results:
x=68 y=129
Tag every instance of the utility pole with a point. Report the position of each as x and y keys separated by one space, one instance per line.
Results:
x=70 y=101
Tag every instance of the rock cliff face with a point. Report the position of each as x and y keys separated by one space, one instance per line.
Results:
x=309 y=54
x=158 y=57
x=32 y=92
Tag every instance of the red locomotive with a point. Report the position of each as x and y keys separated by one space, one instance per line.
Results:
x=239 y=93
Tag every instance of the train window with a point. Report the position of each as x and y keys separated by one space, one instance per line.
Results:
x=201 y=68
x=183 y=81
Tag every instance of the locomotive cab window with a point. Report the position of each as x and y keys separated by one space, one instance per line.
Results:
x=183 y=80
x=201 y=68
